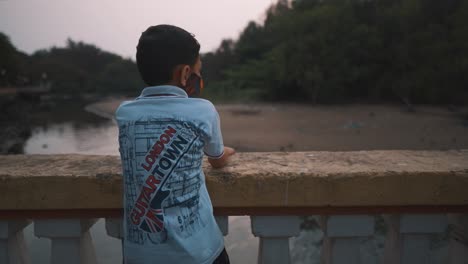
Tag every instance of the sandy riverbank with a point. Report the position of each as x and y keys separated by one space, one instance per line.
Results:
x=293 y=127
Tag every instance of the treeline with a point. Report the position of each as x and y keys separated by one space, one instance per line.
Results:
x=77 y=68
x=331 y=51
x=313 y=51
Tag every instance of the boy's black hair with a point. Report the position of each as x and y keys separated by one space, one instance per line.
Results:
x=160 y=49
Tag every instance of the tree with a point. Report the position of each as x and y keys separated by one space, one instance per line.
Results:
x=9 y=62
x=415 y=51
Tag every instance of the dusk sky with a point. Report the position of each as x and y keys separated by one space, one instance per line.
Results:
x=115 y=25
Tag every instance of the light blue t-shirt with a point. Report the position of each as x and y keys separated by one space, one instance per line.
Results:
x=168 y=216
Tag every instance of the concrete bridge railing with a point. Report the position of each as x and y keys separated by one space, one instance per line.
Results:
x=418 y=193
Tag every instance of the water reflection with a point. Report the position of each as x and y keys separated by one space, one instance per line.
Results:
x=71 y=137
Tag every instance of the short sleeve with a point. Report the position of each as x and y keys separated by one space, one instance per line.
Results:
x=214 y=147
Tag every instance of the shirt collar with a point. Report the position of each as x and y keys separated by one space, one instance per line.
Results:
x=163 y=90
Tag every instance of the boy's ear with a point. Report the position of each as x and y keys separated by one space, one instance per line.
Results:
x=180 y=75
x=184 y=75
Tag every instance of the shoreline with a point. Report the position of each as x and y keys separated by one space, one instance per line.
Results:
x=104 y=108
x=94 y=109
x=298 y=127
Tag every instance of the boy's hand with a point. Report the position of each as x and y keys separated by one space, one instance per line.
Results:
x=223 y=161
x=229 y=151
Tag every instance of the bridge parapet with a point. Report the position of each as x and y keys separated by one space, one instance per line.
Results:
x=418 y=193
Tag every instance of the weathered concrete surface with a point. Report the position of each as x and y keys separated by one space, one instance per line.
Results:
x=363 y=178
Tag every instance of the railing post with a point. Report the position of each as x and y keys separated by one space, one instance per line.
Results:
x=342 y=236
x=392 y=249
x=458 y=251
x=223 y=223
x=71 y=240
x=114 y=227
x=411 y=244
x=13 y=248
x=274 y=233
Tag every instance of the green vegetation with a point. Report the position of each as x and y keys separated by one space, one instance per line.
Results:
x=311 y=51
x=332 y=51
x=10 y=61
x=77 y=68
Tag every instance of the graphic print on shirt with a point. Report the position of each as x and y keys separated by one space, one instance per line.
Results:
x=163 y=178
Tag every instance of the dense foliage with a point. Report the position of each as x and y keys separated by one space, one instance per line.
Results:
x=10 y=61
x=314 y=51
x=76 y=68
x=324 y=51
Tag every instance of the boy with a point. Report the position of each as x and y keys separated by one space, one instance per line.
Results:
x=168 y=216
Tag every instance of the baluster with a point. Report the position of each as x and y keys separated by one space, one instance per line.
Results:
x=392 y=250
x=71 y=240
x=409 y=236
x=274 y=233
x=223 y=223
x=458 y=251
x=114 y=227
x=342 y=236
x=13 y=249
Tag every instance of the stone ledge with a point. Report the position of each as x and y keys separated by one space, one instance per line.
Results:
x=298 y=179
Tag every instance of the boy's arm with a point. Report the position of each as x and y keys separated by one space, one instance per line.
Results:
x=223 y=160
x=218 y=154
